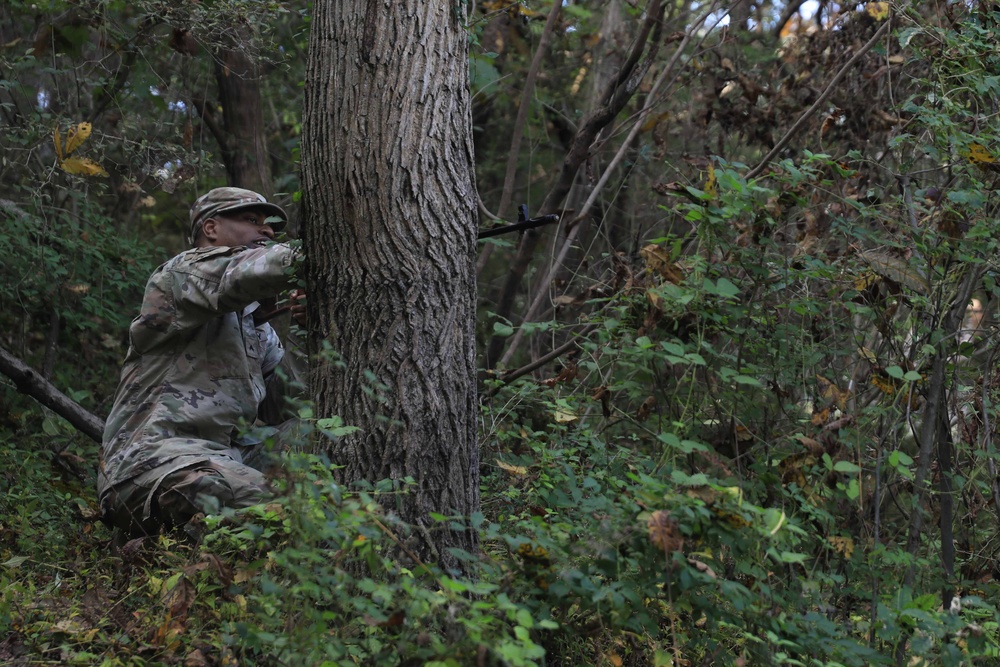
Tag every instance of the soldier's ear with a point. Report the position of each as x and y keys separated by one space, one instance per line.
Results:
x=209 y=229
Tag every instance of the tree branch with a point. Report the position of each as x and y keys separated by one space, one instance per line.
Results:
x=619 y=91
x=30 y=382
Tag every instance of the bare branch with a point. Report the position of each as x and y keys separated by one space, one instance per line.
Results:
x=30 y=382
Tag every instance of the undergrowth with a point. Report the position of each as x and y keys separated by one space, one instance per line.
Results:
x=592 y=552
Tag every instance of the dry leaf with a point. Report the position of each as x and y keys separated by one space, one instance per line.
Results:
x=701 y=567
x=842 y=545
x=179 y=598
x=831 y=392
x=195 y=659
x=81 y=166
x=566 y=300
x=814 y=447
x=658 y=260
x=514 y=470
x=642 y=414
x=655 y=300
x=76 y=136
x=664 y=532
x=896 y=270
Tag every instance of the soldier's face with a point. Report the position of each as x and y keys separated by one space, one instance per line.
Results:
x=243 y=227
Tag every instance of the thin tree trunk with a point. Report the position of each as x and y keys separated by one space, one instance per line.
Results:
x=617 y=95
x=390 y=229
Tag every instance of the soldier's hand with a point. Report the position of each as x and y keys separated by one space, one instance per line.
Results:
x=297 y=301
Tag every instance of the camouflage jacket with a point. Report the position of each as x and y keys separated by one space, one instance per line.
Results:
x=197 y=364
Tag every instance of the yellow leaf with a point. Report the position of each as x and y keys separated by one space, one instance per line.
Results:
x=978 y=154
x=81 y=166
x=658 y=259
x=866 y=280
x=615 y=660
x=884 y=383
x=653 y=120
x=58 y=142
x=514 y=470
x=564 y=417
x=842 y=545
x=76 y=136
x=878 y=10
x=711 y=189
x=831 y=392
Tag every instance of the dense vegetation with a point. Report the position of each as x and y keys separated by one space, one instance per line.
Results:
x=739 y=411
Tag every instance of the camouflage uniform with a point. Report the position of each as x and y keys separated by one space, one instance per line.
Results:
x=198 y=369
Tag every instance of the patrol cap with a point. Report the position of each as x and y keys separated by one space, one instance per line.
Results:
x=227 y=200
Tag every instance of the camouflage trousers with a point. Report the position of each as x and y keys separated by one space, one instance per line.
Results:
x=170 y=494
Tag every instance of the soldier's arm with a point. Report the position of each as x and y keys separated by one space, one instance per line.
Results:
x=224 y=281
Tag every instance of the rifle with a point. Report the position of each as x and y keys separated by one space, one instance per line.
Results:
x=523 y=223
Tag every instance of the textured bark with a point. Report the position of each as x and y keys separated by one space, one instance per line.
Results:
x=390 y=231
x=243 y=140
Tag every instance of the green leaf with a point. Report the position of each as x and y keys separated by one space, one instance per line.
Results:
x=50 y=427
x=847 y=467
x=502 y=329
x=16 y=561
x=792 y=557
x=726 y=288
x=894 y=372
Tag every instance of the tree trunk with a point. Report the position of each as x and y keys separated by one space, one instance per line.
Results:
x=244 y=145
x=390 y=230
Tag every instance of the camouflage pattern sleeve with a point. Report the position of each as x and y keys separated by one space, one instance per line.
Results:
x=202 y=283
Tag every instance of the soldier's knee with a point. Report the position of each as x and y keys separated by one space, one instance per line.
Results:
x=208 y=489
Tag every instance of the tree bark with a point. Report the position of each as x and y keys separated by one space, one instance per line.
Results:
x=244 y=146
x=390 y=224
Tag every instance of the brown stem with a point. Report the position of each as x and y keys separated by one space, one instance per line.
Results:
x=541 y=361
x=934 y=411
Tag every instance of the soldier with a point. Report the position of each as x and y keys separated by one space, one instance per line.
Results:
x=203 y=365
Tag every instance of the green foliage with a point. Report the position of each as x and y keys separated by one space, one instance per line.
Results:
x=726 y=473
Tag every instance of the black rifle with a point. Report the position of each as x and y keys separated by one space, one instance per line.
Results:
x=523 y=223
